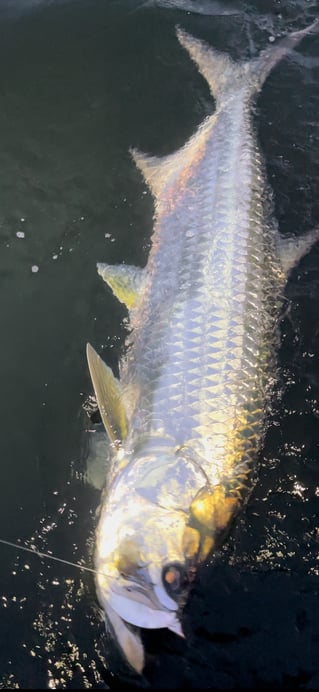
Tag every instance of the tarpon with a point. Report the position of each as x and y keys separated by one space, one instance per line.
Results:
x=186 y=418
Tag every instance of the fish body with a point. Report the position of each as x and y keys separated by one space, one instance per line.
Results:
x=186 y=419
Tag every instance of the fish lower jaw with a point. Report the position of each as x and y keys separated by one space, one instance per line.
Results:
x=127 y=636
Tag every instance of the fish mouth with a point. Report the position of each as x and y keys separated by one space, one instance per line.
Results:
x=128 y=640
x=124 y=611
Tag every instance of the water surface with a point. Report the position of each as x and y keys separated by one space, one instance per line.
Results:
x=81 y=82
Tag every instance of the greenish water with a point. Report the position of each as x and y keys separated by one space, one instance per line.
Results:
x=81 y=82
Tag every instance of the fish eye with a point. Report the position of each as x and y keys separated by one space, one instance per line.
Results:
x=174 y=578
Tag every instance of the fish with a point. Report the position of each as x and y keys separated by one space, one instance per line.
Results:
x=204 y=7
x=186 y=417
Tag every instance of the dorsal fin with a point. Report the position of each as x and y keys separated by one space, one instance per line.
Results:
x=108 y=395
x=124 y=280
x=161 y=171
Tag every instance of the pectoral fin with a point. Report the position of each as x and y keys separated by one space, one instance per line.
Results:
x=291 y=250
x=108 y=396
x=124 y=280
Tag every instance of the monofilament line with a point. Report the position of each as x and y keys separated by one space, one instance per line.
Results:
x=48 y=557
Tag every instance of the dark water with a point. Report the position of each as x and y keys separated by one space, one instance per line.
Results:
x=80 y=82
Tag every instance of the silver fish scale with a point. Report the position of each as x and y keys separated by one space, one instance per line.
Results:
x=203 y=330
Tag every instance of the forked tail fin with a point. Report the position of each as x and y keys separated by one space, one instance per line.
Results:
x=222 y=73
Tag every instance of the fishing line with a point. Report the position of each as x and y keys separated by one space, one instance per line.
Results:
x=51 y=557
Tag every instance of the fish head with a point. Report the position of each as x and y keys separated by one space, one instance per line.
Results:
x=142 y=581
x=146 y=549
